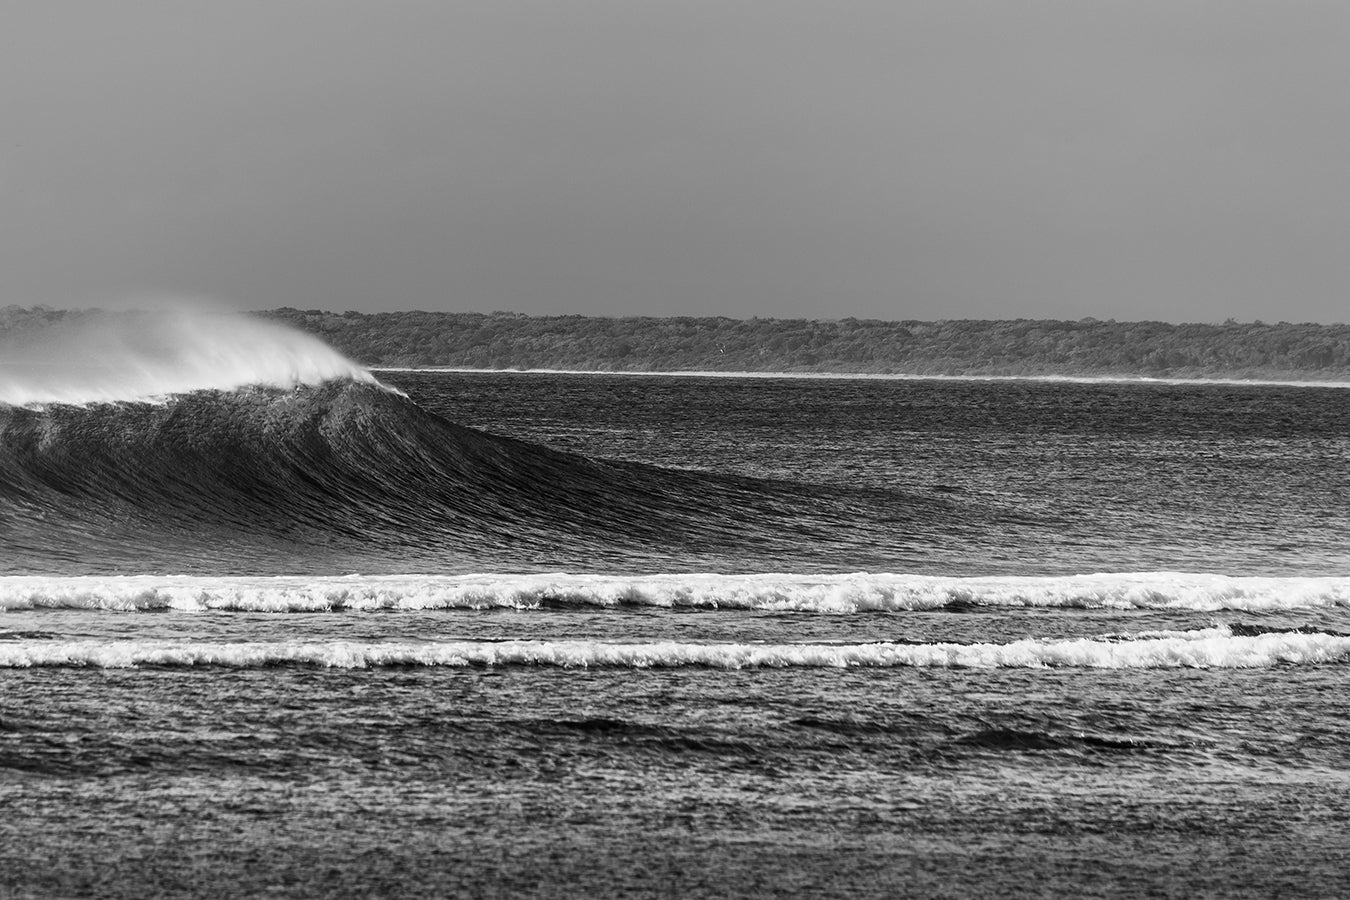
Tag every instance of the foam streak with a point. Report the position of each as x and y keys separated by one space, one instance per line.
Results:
x=1208 y=648
x=836 y=594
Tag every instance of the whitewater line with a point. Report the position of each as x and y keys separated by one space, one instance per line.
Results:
x=838 y=594
x=1208 y=648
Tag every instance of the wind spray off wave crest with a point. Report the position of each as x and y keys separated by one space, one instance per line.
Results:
x=101 y=357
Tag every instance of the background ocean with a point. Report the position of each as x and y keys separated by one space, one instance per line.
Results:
x=506 y=634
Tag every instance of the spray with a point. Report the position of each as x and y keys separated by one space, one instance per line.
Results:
x=100 y=357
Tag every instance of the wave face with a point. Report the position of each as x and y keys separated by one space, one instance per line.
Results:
x=1206 y=648
x=347 y=475
x=825 y=594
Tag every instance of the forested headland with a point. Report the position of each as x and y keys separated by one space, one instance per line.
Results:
x=1086 y=347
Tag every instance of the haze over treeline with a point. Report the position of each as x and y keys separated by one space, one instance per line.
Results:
x=505 y=340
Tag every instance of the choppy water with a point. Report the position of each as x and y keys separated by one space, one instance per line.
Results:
x=546 y=634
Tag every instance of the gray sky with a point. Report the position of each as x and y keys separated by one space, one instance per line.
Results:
x=1122 y=159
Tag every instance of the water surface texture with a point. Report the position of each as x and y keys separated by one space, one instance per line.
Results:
x=500 y=634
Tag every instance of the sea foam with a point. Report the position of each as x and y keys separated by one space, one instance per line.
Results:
x=831 y=594
x=1205 y=648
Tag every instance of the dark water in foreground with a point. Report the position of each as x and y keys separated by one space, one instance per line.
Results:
x=903 y=678
x=436 y=782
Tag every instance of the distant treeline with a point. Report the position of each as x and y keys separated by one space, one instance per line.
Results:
x=951 y=347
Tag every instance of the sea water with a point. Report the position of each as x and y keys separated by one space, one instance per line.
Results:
x=554 y=635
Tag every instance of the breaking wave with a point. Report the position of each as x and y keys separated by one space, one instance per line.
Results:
x=347 y=474
x=829 y=594
x=1207 y=648
x=151 y=356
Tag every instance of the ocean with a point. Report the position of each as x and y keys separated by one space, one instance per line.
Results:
x=432 y=634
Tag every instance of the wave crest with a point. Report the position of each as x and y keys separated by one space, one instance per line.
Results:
x=143 y=356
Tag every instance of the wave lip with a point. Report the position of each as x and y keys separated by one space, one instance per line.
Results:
x=149 y=357
x=1207 y=648
x=828 y=594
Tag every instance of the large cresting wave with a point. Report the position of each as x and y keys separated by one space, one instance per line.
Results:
x=259 y=451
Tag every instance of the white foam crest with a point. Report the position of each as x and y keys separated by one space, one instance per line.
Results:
x=100 y=357
x=837 y=594
x=1208 y=648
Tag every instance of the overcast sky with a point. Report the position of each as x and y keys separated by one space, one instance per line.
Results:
x=1123 y=159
